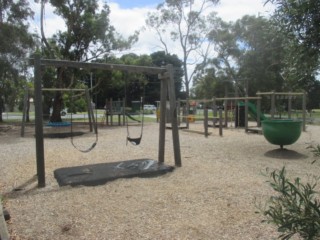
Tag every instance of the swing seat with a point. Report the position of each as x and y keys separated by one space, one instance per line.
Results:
x=58 y=124
x=134 y=141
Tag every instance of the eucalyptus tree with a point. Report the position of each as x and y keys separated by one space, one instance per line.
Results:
x=15 y=44
x=88 y=37
x=183 y=25
x=249 y=55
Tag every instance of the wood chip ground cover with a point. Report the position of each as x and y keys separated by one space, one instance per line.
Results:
x=212 y=196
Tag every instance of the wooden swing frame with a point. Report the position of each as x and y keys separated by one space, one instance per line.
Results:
x=165 y=74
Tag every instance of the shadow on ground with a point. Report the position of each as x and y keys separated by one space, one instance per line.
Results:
x=285 y=154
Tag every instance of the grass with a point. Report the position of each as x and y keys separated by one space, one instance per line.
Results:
x=315 y=114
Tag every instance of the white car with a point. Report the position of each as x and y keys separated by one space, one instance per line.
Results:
x=149 y=107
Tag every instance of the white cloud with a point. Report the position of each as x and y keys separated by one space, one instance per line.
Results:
x=230 y=10
x=127 y=20
x=52 y=23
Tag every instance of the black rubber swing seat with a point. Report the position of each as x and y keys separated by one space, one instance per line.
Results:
x=134 y=141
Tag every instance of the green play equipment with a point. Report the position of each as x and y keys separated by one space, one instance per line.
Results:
x=253 y=111
x=281 y=131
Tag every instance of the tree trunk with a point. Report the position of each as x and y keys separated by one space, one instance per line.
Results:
x=28 y=110
x=56 y=108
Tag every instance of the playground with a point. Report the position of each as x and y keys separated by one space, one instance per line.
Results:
x=214 y=195
x=158 y=182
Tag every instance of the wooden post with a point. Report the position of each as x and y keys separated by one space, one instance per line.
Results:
x=226 y=113
x=273 y=104
x=289 y=105
x=111 y=112
x=173 y=113
x=107 y=112
x=178 y=111
x=123 y=111
x=39 y=122
x=246 y=119
x=24 y=113
x=214 y=109
x=220 y=122
x=205 y=122
x=162 y=124
x=304 y=110
x=259 y=112
x=90 y=112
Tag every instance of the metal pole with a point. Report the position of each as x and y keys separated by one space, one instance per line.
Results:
x=38 y=122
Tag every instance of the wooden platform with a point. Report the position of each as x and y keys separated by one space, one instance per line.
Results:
x=255 y=130
x=98 y=174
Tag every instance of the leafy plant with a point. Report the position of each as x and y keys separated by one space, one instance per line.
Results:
x=315 y=150
x=295 y=209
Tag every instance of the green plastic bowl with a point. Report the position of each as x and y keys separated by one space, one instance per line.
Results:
x=281 y=131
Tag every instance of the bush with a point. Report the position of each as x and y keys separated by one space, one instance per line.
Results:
x=295 y=209
x=315 y=150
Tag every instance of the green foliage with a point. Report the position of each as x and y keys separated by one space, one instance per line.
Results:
x=295 y=209
x=300 y=19
x=16 y=43
x=299 y=22
x=315 y=150
x=89 y=36
x=249 y=55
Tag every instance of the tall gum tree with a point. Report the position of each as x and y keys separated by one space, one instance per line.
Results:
x=184 y=23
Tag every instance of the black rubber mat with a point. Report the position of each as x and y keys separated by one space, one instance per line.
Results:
x=97 y=174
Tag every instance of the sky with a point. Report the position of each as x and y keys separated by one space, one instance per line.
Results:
x=128 y=16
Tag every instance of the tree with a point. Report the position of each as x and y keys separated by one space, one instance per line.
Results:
x=249 y=56
x=16 y=43
x=118 y=84
x=185 y=21
x=299 y=20
x=161 y=59
x=89 y=36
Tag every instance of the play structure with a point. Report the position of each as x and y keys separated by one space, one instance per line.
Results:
x=115 y=108
x=188 y=113
x=92 y=173
x=239 y=110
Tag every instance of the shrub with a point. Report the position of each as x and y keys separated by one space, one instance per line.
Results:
x=295 y=209
x=315 y=150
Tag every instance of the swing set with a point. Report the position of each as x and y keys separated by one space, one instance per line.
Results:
x=165 y=74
